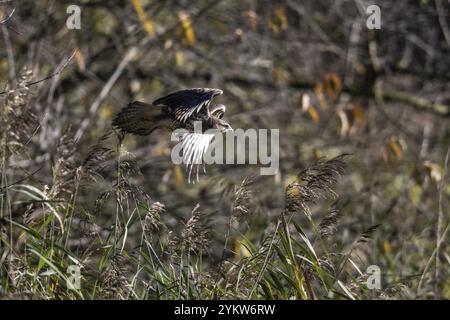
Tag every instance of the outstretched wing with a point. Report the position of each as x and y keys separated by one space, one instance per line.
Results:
x=184 y=103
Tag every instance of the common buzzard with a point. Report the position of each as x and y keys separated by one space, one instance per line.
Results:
x=177 y=110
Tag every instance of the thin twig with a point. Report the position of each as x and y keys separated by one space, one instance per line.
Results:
x=8 y=17
x=130 y=55
x=21 y=180
x=442 y=20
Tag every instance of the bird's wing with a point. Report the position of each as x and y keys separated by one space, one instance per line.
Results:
x=184 y=103
x=194 y=146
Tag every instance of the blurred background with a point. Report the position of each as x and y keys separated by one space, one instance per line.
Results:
x=312 y=69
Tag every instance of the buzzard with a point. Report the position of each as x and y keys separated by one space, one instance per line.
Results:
x=177 y=110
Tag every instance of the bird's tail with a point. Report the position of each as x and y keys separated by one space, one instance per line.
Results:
x=138 y=118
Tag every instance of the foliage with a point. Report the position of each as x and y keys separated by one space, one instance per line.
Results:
x=364 y=133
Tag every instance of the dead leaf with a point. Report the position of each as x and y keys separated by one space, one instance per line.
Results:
x=253 y=19
x=179 y=177
x=179 y=58
x=147 y=23
x=318 y=90
x=280 y=14
x=435 y=171
x=359 y=119
x=333 y=85
x=344 y=127
x=314 y=114
x=79 y=58
x=188 y=31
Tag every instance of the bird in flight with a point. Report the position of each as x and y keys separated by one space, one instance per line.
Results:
x=178 y=110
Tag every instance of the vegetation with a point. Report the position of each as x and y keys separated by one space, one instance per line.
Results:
x=364 y=149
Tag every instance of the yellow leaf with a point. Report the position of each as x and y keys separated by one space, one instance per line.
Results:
x=359 y=117
x=188 y=31
x=179 y=58
x=396 y=148
x=148 y=25
x=79 y=58
x=240 y=250
x=318 y=90
x=281 y=16
x=387 y=247
x=333 y=85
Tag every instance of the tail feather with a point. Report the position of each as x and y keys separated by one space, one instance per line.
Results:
x=138 y=118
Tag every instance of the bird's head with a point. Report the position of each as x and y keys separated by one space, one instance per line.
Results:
x=217 y=112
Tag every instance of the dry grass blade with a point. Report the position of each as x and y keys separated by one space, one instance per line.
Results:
x=367 y=234
x=97 y=159
x=152 y=222
x=195 y=235
x=242 y=199
x=314 y=183
x=328 y=225
x=17 y=118
x=64 y=166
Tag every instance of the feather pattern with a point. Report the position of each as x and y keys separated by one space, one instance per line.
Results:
x=185 y=103
x=194 y=146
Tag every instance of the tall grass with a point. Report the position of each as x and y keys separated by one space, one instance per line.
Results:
x=137 y=254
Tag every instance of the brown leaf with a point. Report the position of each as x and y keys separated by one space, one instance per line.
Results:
x=147 y=23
